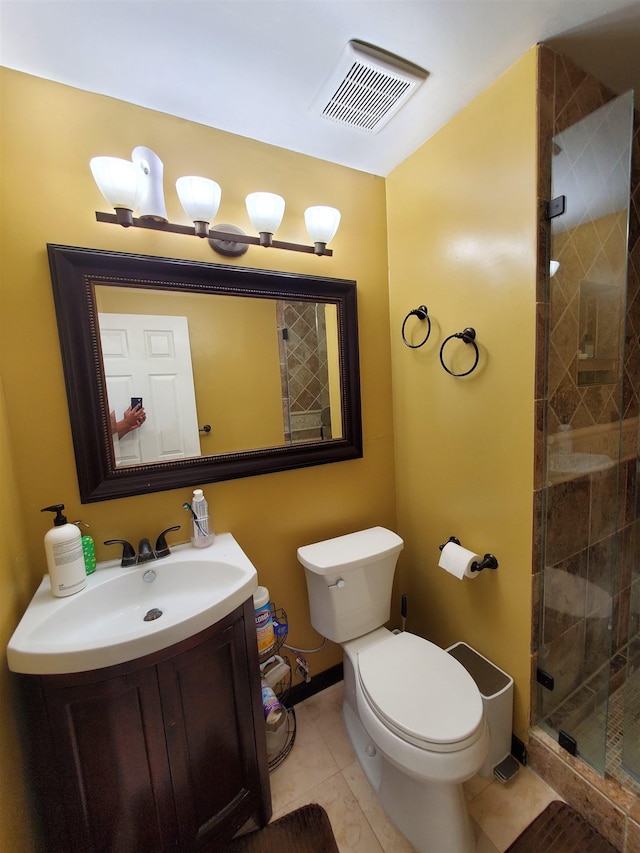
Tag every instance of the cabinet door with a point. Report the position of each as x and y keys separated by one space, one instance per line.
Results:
x=217 y=763
x=111 y=765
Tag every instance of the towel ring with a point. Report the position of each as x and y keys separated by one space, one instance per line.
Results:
x=422 y=314
x=468 y=336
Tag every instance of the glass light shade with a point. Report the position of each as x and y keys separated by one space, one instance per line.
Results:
x=554 y=266
x=200 y=197
x=265 y=211
x=121 y=182
x=322 y=223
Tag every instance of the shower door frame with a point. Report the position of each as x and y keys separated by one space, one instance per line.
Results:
x=570 y=573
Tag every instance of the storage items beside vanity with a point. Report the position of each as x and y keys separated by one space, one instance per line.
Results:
x=165 y=752
x=275 y=674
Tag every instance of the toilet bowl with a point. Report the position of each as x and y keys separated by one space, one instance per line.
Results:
x=413 y=713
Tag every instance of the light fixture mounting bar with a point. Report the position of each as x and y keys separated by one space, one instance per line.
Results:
x=156 y=225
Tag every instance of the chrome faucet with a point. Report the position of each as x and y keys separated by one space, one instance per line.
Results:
x=145 y=551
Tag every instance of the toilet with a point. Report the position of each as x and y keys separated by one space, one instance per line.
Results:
x=413 y=713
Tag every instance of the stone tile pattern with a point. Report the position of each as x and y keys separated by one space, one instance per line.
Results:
x=612 y=810
x=615 y=715
x=584 y=525
x=304 y=371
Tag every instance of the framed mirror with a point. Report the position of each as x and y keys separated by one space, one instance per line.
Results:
x=180 y=373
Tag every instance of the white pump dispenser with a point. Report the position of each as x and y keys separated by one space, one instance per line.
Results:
x=65 y=560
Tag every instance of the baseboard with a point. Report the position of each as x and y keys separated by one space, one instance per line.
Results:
x=302 y=691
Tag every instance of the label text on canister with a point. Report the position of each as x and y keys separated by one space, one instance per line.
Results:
x=264 y=628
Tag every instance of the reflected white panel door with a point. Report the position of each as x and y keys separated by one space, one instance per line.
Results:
x=149 y=356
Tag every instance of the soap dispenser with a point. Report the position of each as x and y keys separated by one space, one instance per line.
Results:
x=65 y=560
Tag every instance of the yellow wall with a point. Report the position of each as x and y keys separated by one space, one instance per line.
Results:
x=49 y=133
x=461 y=227
x=462 y=236
x=235 y=362
x=16 y=832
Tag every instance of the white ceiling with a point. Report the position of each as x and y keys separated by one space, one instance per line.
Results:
x=253 y=67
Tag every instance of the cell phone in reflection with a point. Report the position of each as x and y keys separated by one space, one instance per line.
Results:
x=136 y=401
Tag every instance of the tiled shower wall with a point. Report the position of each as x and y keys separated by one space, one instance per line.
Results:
x=586 y=535
x=576 y=522
x=304 y=371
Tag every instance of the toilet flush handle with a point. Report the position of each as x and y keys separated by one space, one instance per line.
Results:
x=339 y=584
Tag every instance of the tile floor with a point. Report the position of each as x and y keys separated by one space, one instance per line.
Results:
x=618 y=717
x=322 y=768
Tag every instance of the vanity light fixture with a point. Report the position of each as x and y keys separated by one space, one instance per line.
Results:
x=136 y=185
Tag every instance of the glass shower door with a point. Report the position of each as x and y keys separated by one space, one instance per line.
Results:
x=631 y=690
x=587 y=438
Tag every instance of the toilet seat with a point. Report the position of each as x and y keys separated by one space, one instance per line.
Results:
x=421 y=693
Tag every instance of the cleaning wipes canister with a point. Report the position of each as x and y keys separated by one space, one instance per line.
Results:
x=264 y=622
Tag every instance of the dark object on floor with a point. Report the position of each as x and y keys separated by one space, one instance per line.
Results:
x=307 y=830
x=560 y=829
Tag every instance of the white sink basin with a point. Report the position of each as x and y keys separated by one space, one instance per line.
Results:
x=104 y=623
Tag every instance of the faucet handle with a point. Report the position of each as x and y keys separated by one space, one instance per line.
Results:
x=162 y=549
x=128 y=554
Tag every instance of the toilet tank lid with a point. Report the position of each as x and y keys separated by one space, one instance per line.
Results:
x=364 y=546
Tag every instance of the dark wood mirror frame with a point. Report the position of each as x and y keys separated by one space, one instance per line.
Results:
x=74 y=271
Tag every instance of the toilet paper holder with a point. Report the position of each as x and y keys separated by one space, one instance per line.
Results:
x=488 y=562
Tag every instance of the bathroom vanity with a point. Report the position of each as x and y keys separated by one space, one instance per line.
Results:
x=161 y=753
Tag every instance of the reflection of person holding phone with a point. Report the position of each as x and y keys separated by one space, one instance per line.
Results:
x=132 y=418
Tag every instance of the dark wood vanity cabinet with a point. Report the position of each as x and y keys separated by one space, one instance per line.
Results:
x=163 y=753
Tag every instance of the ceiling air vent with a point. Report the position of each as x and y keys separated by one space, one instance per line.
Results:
x=367 y=87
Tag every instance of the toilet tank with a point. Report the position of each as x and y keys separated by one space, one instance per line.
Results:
x=349 y=581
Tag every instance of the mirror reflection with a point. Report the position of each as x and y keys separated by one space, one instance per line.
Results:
x=181 y=373
x=223 y=375
x=600 y=324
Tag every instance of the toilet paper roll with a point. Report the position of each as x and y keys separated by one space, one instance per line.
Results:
x=458 y=561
